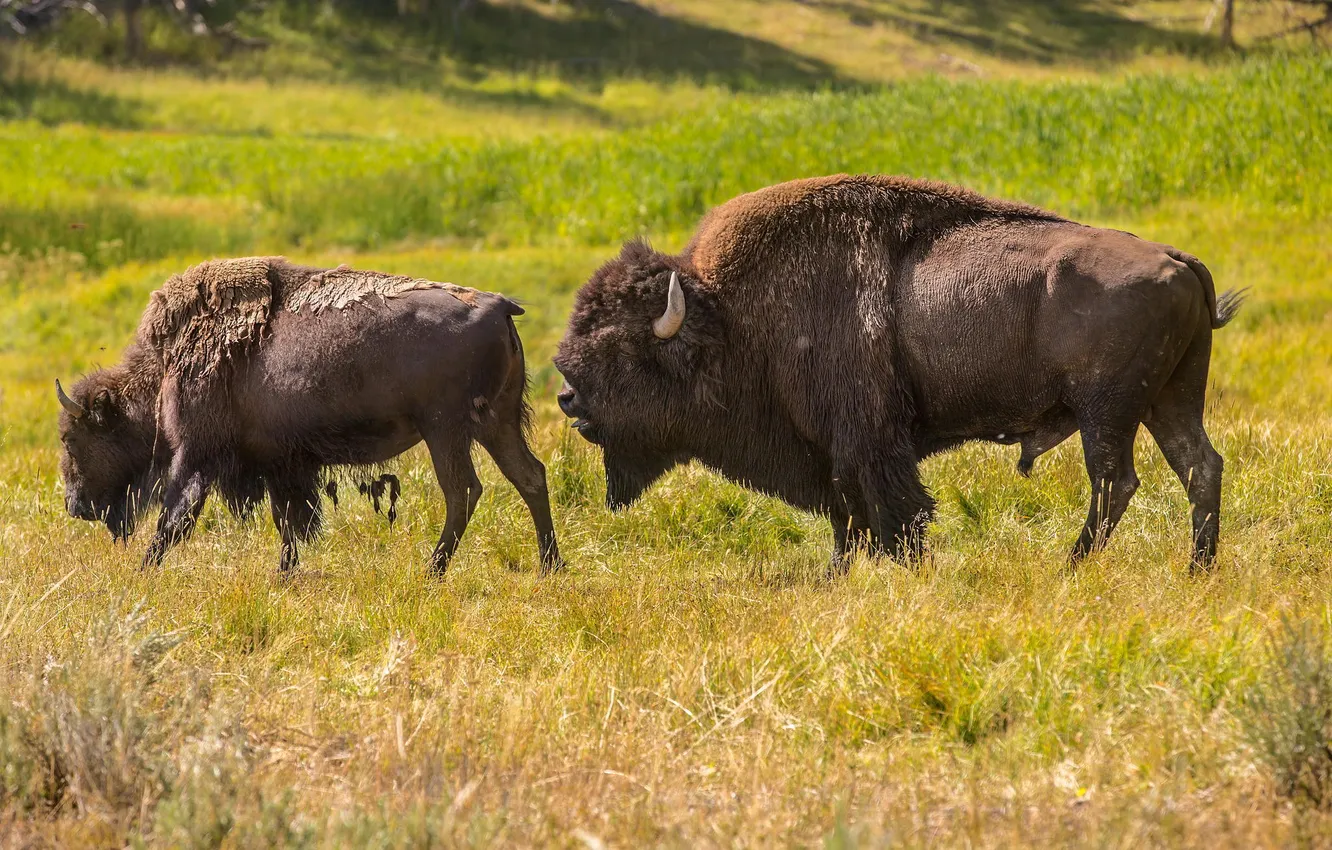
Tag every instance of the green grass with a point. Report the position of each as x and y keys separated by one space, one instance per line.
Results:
x=1083 y=148
x=692 y=679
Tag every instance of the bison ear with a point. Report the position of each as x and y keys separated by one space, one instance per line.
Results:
x=102 y=404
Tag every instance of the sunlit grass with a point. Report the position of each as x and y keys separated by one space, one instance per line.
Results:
x=693 y=678
x=1256 y=132
x=172 y=102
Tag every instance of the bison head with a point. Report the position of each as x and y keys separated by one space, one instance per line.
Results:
x=640 y=360
x=108 y=457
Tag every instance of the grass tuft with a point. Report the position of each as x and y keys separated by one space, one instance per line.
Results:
x=84 y=732
x=1288 y=715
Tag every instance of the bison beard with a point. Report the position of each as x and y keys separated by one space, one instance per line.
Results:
x=628 y=474
x=815 y=340
x=249 y=377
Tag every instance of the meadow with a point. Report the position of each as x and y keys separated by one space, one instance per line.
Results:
x=693 y=679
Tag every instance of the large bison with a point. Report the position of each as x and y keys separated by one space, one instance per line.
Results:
x=251 y=375
x=816 y=339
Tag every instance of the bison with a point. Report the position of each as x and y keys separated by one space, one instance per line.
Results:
x=816 y=339
x=252 y=375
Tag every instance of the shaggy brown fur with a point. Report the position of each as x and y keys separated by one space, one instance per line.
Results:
x=342 y=287
x=837 y=330
x=254 y=375
x=199 y=317
x=213 y=311
x=737 y=231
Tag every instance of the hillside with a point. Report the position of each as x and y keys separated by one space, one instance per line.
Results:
x=531 y=66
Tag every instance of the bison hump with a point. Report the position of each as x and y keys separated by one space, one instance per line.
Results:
x=197 y=318
x=342 y=287
x=211 y=312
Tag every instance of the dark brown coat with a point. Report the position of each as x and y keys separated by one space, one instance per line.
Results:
x=252 y=376
x=835 y=331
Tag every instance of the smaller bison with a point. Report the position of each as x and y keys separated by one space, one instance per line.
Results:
x=250 y=376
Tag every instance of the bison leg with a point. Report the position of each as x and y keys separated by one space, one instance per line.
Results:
x=451 y=454
x=183 y=501
x=394 y=490
x=1109 y=457
x=897 y=507
x=850 y=535
x=515 y=460
x=1176 y=423
x=844 y=544
x=294 y=500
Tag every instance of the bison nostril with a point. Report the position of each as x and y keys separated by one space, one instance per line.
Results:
x=566 y=400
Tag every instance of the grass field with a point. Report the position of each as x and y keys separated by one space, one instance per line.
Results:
x=692 y=679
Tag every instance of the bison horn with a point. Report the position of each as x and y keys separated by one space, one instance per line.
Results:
x=75 y=409
x=668 y=324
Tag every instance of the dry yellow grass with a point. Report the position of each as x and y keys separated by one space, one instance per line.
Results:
x=691 y=680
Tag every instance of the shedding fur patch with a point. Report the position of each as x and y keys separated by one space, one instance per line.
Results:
x=342 y=287
x=199 y=317
x=211 y=312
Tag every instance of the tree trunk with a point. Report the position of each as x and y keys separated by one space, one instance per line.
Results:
x=460 y=8
x=435 y=9
x=1228 y=23
x=133 y=30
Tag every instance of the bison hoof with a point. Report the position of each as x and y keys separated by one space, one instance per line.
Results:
x=556 y=566
x=1201 y=564
x=153 y=557
x=287 y=563
x=839 y=567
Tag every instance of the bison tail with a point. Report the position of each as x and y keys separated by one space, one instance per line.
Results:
x=1227 y=305
x=1223 y=309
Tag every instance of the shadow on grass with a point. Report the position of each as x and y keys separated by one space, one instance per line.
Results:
x=1018 y=30
x=588 y=44
x=527 y=101
x=51 y=101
